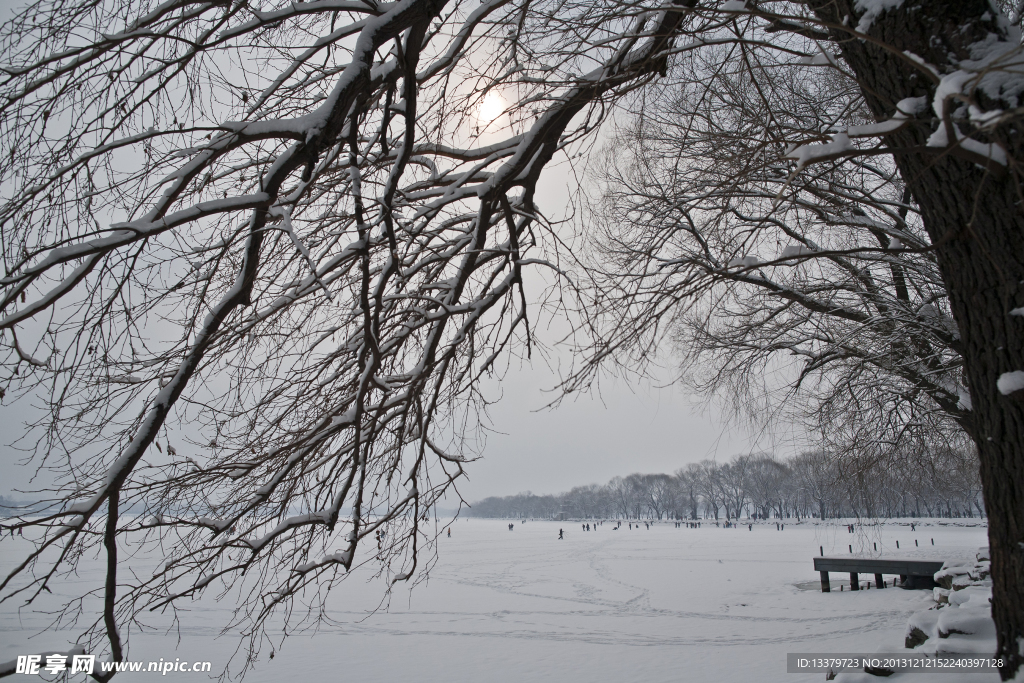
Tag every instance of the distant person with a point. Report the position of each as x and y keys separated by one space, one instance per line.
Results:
x=560 y=532
x=449 y=532
x=750 y=527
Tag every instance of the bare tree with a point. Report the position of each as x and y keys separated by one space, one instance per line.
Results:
x=256 y=261
x=588 y=502
x=812 y=238
x=284 y=238
x=687 y=482
x=622 y=494
x=658 y=493
x=764 y=475
x=814 y=298
x=944 y=482
x=817 y=477
x=734 y=477
x=969 y=198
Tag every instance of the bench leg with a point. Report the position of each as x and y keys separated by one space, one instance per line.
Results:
x=825 y=586
x=854 y=581
x=903 y=579
x=879 y=582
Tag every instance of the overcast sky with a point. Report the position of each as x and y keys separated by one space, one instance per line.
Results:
x=591 y=439
x=627 y=427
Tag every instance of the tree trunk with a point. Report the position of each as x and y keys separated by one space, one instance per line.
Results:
x=976 y=222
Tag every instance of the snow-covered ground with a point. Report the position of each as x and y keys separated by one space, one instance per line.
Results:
x=664 y=604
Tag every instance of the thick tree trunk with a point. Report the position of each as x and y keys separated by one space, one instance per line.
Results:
x=976 y=222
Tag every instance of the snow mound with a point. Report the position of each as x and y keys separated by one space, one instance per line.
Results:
x=1010 y=382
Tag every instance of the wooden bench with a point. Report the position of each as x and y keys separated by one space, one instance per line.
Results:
x=917 y=573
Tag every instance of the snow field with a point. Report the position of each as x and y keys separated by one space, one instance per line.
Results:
x=665 y=604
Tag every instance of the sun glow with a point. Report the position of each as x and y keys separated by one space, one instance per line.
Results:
x=491 y=108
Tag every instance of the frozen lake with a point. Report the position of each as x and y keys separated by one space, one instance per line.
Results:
x=664 y=604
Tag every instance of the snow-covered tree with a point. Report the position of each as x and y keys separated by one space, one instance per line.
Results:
x=257 y=259
x=827 y=225
x=959 y=154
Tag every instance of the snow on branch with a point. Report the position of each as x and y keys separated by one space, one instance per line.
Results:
x=318 y=253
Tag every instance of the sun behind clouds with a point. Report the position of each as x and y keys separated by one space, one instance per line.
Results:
x=491 y=108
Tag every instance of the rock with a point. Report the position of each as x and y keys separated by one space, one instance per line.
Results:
x=962 y=581
x=878 y=671
x=921 y=627
x=945 y=576
x=915 y=637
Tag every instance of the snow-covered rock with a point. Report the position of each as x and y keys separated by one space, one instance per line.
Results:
x=959 y=623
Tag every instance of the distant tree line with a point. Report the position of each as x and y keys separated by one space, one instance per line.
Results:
x=10 y=507
x=944 y=482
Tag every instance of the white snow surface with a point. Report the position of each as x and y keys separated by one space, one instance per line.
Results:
x=733 y=6
x=743 y=262
x=810 y=153
x=796 y=250
x=1010 y=382
x=665 y=604
x=872 y=9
